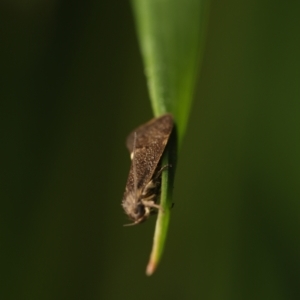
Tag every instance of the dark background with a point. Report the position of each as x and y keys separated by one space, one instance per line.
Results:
x=72 y=88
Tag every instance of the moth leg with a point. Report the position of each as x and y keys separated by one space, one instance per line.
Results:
x=151 y=204
x=151 y=190
x=158 y=174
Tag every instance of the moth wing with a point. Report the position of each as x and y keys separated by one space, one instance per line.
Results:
x=151 y=141
x=162 y=125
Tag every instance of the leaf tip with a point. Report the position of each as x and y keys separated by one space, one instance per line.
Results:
x=151 y=267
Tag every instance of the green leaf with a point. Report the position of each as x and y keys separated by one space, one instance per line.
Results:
x=171 y=37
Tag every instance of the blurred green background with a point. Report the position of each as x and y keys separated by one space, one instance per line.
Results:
x=72 y=88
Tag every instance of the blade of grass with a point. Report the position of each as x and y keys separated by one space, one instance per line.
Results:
x=162 y=224
x=171 y=37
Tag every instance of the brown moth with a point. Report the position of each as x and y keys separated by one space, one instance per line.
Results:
x=146 y=145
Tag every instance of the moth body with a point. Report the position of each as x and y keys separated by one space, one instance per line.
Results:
x=146 y=145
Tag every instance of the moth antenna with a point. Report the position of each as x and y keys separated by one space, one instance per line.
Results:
x=131 y=224
x=134 y=165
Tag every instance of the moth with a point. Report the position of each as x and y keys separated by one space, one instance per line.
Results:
x=146 y=145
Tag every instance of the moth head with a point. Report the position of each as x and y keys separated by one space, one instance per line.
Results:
x=135 y=209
